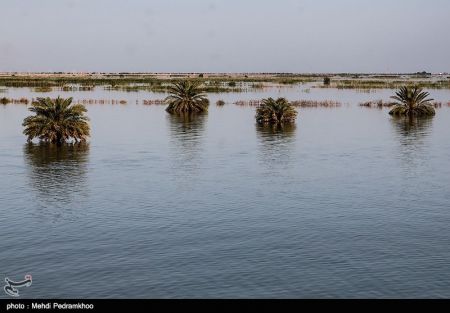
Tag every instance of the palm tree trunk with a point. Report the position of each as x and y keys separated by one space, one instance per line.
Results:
x=59 y=140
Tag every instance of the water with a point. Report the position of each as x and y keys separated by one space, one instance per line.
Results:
x=349 y=203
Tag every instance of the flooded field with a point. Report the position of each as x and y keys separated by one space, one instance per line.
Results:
x=349 y=202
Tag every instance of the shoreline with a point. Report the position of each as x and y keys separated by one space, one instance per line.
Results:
x=222 y=82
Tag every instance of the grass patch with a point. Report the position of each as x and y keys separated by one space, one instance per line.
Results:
x=5 y=101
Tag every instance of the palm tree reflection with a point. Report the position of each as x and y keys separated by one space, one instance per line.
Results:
x=276 y=143
x=57 y=173
x=412 y=130
x=186 y=135
x=412 y=133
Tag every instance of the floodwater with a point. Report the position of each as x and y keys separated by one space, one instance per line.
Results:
x=348 y=203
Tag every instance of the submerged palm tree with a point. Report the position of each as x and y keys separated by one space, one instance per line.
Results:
x=186 y=97
x=57 y=121
x=413 y=101
x=275 y=112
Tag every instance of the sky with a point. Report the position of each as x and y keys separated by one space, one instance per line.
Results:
x=302 y=36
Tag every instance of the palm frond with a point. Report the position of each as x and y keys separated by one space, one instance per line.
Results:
x=186 y=97
x=412 y=101
x=57 y=121
x=273 y=111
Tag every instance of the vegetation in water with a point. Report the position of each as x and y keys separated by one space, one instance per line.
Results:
x=368 y=84
x=43 y=89
x=412 y=102
x=154 y=102
x=4 y=100
x=130 y=82
x=377 y=104
x=296 y=103
x=57 y=121
x=152 y=82
x=316 y=104
x=274 y=112
x=186 y=97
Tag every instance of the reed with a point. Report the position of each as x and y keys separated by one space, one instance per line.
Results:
x=154 y=102
x=296 y=103
x=316 y=104
x=377 y=104
x=248 y=103
x=99 y=101
x=43 y=89
x=389 y=84
x=437 y=104
x=113 y=80
x=380 y=104
x=219 y=82
x=258 y=86
x=5 y=101
x=22 y=101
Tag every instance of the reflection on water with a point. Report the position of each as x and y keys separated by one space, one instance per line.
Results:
x=276 y=143
x=186 y=125
x=412 y=130
x=219 y=207
x=412 y=133
x=186 y=134
x=58 y=174
x=272 y=131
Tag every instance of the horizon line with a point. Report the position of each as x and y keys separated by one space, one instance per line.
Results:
x=221 y=73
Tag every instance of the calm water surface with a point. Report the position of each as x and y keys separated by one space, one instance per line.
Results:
x=349 y=203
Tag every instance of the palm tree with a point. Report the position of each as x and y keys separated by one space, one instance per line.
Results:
x=186 y=97
x=275 y=112
x=413 y=101
x=57 y=121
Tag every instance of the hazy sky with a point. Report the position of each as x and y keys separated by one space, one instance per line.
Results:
x=225 y=35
